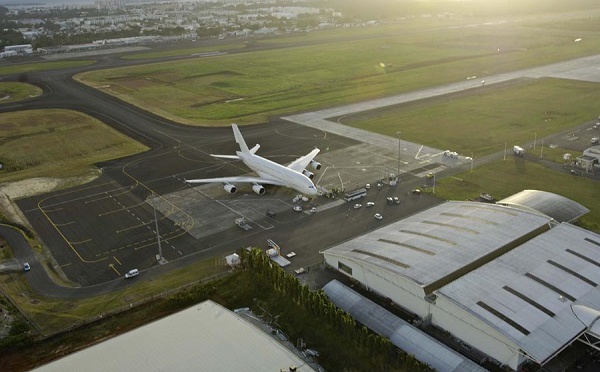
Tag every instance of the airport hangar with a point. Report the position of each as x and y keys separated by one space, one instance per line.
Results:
x=205 y=337
x=508 y=280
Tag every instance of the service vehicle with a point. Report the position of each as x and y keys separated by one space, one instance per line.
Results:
x=131 y=273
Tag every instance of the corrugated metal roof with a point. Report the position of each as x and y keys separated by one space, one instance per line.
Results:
x=205 y=337
x=527 y=294
x=556 y=206
x=441 y=241
x=408 y=338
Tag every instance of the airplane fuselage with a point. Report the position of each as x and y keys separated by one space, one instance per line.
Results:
x=266 y=168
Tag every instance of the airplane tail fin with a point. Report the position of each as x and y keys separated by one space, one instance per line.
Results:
x=239 y=139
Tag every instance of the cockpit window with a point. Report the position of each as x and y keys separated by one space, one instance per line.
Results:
x=311 y=187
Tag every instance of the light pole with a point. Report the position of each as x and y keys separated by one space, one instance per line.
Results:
x=399 y=151
x=159 y=258
x=471 y=161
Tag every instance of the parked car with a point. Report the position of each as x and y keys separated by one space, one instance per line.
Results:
x=298 y=208
x=357 y=206
x=370 y=204
x=378 y=216
x=131 y=273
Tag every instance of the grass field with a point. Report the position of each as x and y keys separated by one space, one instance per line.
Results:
x=482 y=121
x=57 y=143
x=339 y=69
x=41 y=66
x=13 y=92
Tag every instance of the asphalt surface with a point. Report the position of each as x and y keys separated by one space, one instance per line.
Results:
x=98 y=231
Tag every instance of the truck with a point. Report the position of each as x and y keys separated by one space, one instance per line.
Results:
x=274 y=254
x=518 y=150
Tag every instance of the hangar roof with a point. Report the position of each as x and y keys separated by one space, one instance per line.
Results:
x=556 y=206
x=533 y=293
x=442 y=243
x=205 y=337
x=593 y=151
x=408 y=338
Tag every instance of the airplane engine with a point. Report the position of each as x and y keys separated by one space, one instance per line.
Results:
x=315 y=164
x=230 y=188
x=308 y=174
x=258 y=189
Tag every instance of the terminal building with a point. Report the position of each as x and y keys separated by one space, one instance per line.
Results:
x=509 y=281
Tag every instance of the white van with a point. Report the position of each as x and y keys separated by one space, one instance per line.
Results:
x=132 y=273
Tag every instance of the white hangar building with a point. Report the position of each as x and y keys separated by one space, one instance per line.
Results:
x=205 y=337
x=512 y=283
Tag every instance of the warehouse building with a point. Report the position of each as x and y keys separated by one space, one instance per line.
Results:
x=503 y=279
x=206 y=337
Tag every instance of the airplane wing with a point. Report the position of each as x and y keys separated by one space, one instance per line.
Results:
x=302 y=162
x=226 y=156
x=239 y=179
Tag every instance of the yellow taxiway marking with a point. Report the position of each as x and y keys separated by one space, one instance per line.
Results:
x=113 y=267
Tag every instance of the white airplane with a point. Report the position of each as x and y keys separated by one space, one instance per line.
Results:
x=294 y=176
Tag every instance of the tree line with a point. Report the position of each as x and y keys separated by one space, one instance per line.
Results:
x=380 y=349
